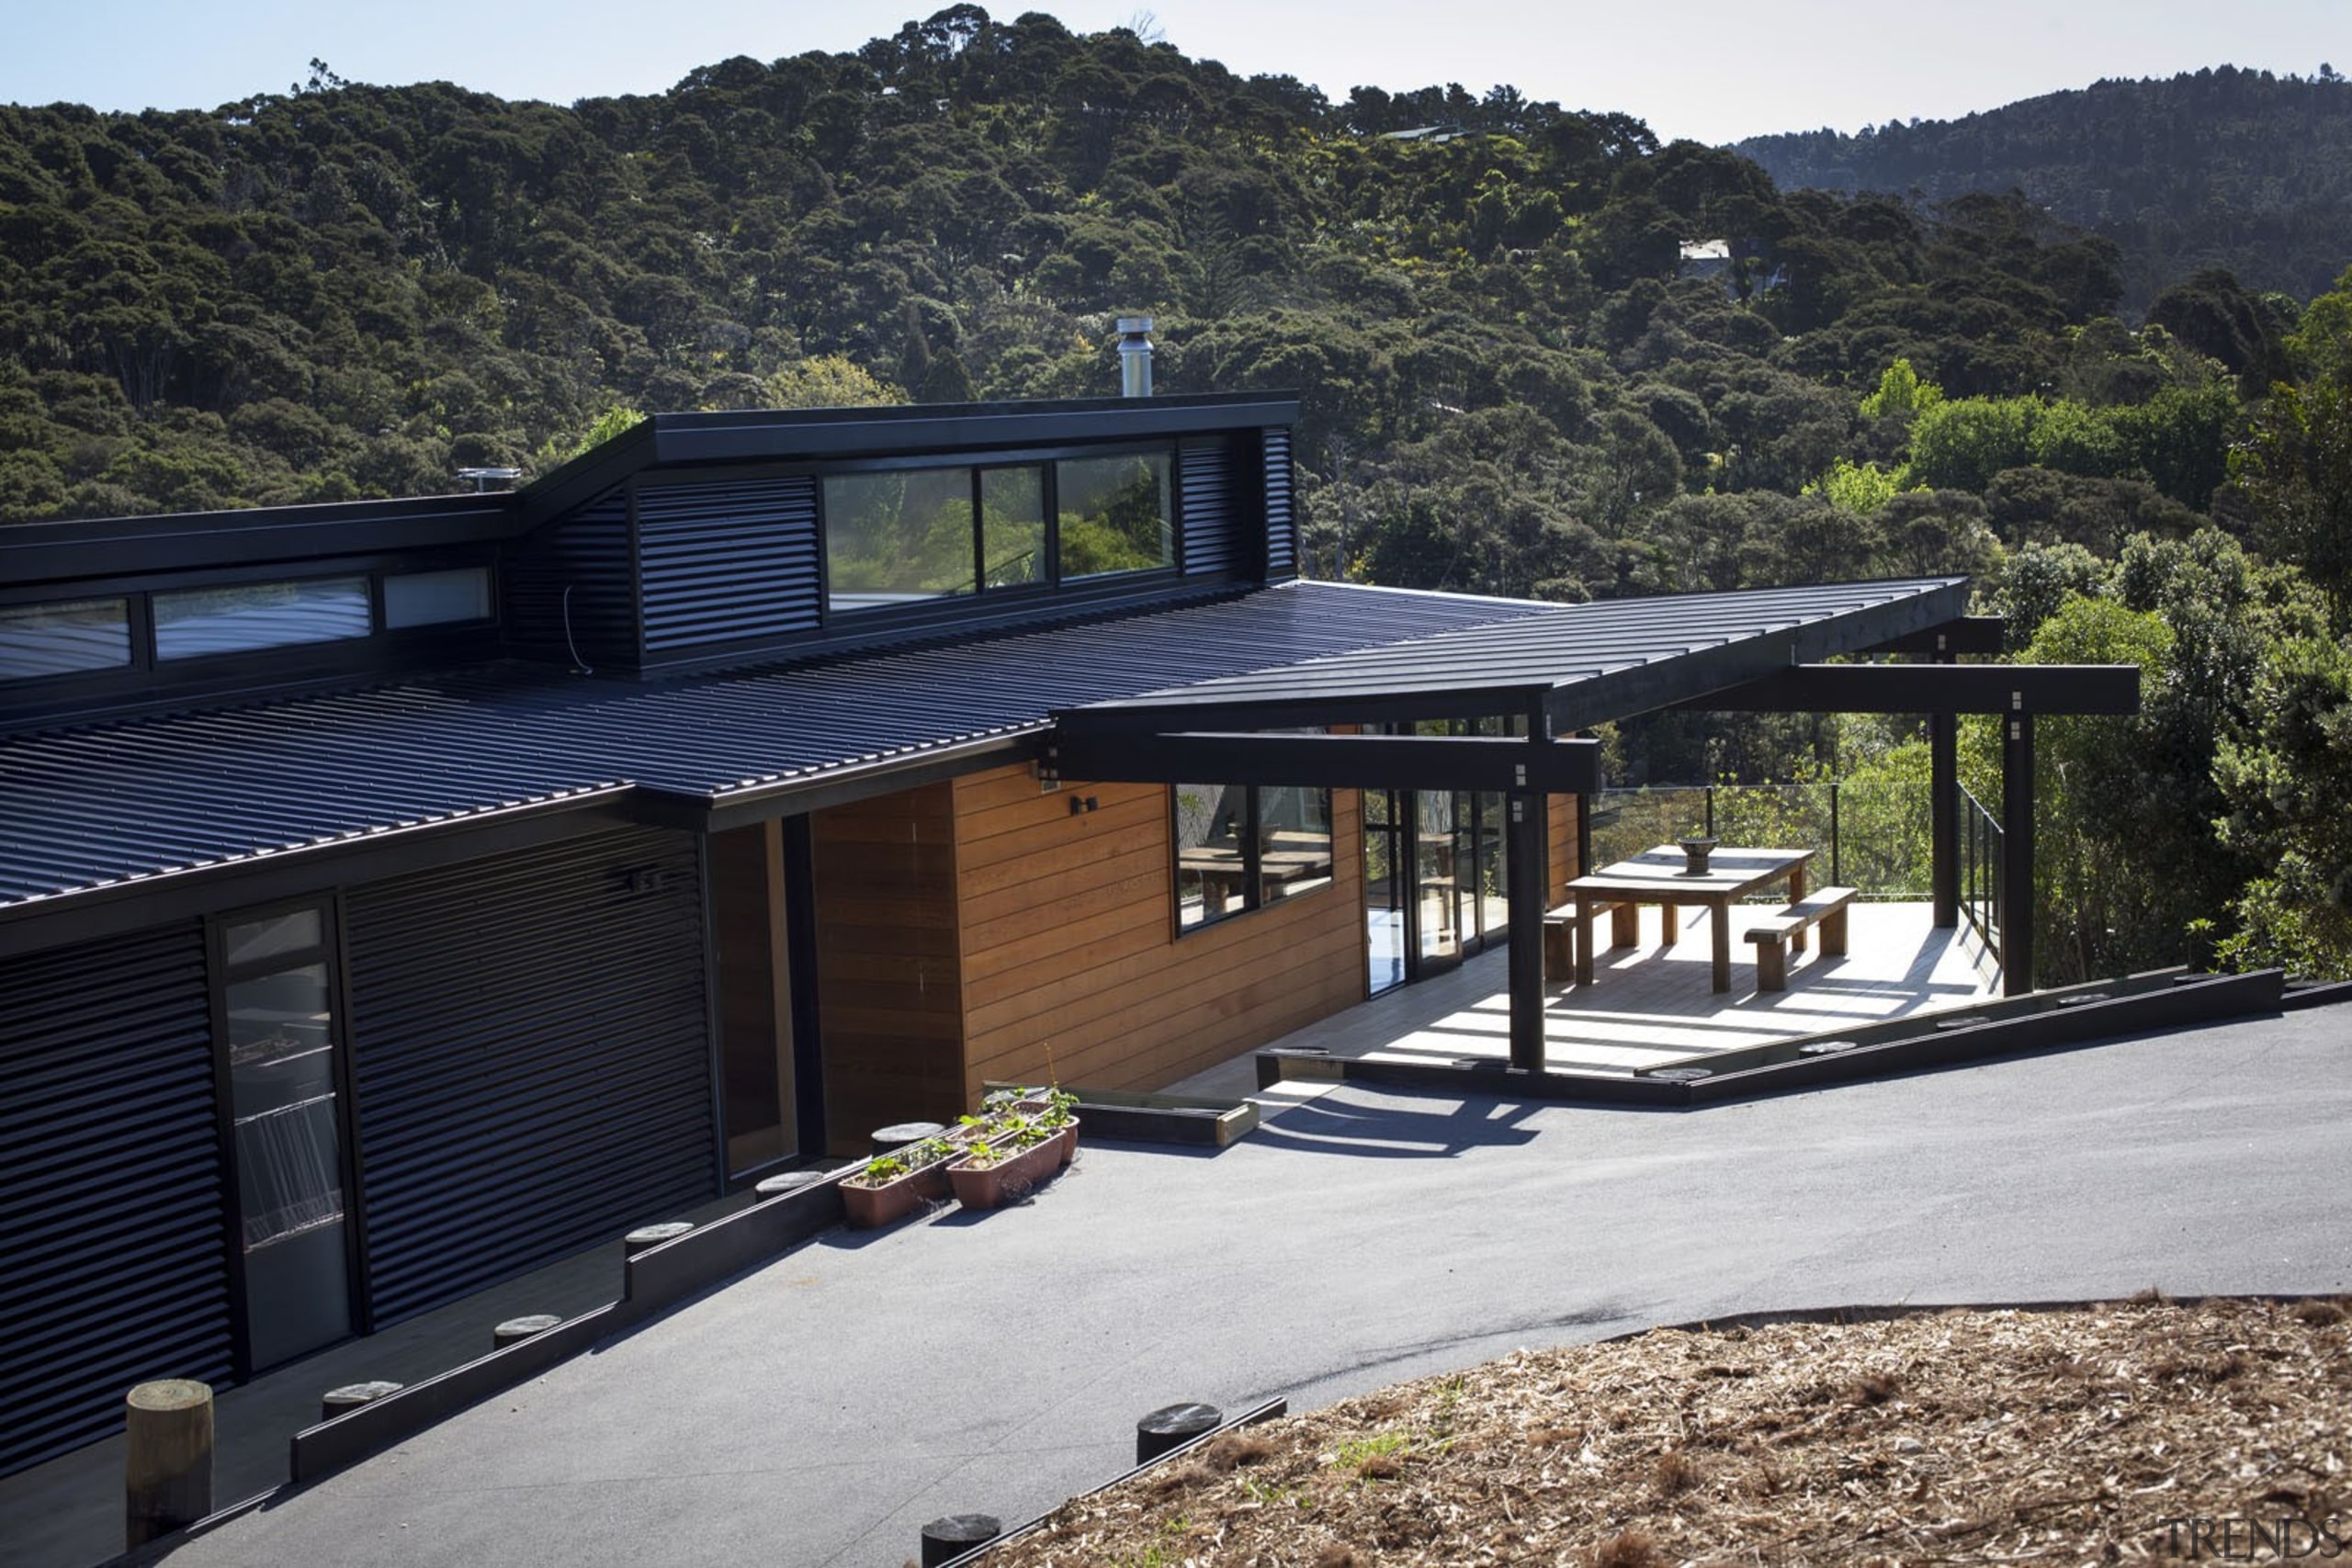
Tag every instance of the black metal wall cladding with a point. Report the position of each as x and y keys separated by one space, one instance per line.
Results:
x=531 y=1053
x=589 y=552
x=1282 y=520
x=112 y=1195
x=1205 y=506
x=725 y=562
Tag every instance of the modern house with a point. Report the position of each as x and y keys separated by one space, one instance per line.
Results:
x=395 y=896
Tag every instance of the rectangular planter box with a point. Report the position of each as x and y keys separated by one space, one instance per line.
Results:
x=1010 y=1176
x=870 y=1208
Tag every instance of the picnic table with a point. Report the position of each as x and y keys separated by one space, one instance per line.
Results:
x=1658 y=876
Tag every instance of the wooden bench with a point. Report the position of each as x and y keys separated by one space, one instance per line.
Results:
x=1625 y=931
x=1774 y=934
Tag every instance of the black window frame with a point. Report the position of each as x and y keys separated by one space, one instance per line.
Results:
x=1252 y=845
x=382 y=650
x=330 y=951
x=1050 y=581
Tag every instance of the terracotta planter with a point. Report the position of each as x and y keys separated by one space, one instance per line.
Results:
x=1007 y=1177
x=870 y=1208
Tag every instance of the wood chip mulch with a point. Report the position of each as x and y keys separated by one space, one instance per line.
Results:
x=2099 y=1435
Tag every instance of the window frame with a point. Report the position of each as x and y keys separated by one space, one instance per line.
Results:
x=1044 y=462
x=1252 y=846
x=221 y=976
x=145 y=673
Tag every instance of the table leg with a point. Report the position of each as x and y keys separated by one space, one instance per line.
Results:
x=1722 y=944
x=1584 y=939
x=1796 y=896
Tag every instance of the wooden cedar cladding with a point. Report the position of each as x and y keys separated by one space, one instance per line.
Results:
x=890 y=998
x=1072 y=968
x=1560 y=820
x=978 y=928
x=754 y=965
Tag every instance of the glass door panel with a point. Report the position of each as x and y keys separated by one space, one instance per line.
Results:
x=1494 y=901
x=1383 y=890
x=1466 y=869
x=285 y=1110
x=1438 y=928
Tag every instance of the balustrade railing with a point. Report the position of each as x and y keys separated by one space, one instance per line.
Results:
x=1980 y=870
x=1873 y=837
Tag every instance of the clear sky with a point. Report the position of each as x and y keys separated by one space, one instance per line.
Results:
x=1713 y=70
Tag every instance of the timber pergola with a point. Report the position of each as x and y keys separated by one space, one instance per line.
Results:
x=1942 y=690
x=1563 y=670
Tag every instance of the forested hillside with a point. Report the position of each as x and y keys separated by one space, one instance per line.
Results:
x=1513 y=380
x=2239 y=170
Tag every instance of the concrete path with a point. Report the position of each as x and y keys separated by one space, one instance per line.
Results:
x=820 y=1410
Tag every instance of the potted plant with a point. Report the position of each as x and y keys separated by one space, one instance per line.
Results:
x=1057 y=1115
x=992 y=1174
x=889 y=1187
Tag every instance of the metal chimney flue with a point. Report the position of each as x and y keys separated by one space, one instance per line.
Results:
x=1135 y=357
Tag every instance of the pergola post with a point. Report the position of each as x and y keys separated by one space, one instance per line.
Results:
x=1943 y=817
x=1527 y=852
x=2017 y=853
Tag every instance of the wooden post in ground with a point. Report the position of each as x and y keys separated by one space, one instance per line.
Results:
x=168 y=1459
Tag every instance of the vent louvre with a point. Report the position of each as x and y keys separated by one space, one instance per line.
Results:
x=1282 y=521
x=1205 y=506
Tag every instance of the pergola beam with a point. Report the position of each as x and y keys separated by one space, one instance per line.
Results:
x=1499 y=763
x=1934 y=688
x=1968 y=634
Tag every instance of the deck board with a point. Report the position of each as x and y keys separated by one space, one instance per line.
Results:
x=1650 y=1005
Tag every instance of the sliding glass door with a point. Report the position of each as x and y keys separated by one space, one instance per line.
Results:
x=1436 y=885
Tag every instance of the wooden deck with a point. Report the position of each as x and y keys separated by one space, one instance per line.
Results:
x=1651 y=1005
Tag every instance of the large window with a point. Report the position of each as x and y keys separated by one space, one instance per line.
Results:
x=906 y=536
x=892 y=538
x=1114 y=514
x=1239 y=848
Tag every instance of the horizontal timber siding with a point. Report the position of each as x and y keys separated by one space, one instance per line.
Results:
x=1560 y=822
x=1066 y=928
x=888 y=995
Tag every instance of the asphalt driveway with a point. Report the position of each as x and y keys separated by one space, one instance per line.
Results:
x=818 y=1410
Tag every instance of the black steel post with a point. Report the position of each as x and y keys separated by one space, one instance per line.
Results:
x=2017 y=854
x=1584 y=832
x=1525 y=847
x=1944 y=816
x=1837 y=866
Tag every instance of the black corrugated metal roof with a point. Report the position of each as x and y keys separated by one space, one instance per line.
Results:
x=104 y=807
x=98 y=806
x=1607 y=659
